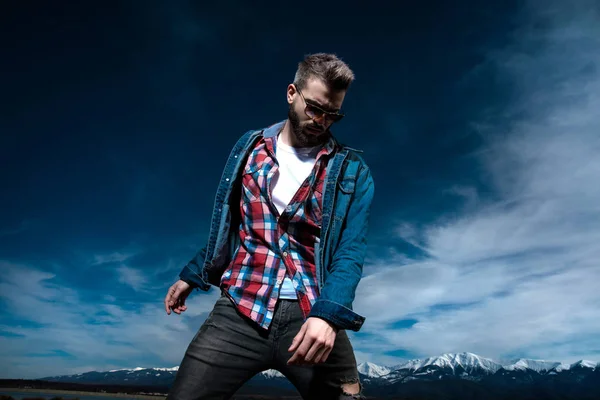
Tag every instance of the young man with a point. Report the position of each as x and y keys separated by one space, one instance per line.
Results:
x=286 y=247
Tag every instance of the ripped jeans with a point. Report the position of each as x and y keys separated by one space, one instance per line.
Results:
x=229 y=349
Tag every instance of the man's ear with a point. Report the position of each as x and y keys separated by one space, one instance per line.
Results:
x=291 y=91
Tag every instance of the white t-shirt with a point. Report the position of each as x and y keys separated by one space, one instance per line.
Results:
x=295 y=165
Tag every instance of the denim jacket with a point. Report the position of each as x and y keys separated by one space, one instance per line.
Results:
x=339 y=255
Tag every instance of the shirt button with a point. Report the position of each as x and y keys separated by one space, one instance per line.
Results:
x=227 y=179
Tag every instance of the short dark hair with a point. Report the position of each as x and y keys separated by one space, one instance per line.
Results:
x=328 y=68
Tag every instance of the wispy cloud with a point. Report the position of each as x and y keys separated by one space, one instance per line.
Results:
x=514 y=273
x=114 y=257
x=132 y=277
x=78 y=336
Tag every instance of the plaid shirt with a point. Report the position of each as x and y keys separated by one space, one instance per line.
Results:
x=273 y=245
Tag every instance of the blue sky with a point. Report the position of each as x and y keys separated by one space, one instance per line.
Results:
x=480 y=124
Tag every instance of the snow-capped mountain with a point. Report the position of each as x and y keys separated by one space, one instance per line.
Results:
x=462 y=365
x=465 y=361
x=584 y=364
x=459 y=365
x=272 y=373
x=561 y=367
x=373 y=370
x=542 y=366
x=445 y=374
x=134 y=376
x=141 y=376
x=536 y=365
x=172 y=369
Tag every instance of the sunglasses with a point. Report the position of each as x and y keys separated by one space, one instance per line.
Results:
x=314 y=112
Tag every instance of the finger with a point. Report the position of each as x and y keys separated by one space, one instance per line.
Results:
x=303 y=348
x=173 y=298
x=312 y=352
x=298 y=338
x=168 y=299
x=177 y=307
x=320 y=354
x=295 y=359
x=180 y=308
x=326 y=355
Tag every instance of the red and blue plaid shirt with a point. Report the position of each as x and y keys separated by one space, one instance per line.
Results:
x=273 y=245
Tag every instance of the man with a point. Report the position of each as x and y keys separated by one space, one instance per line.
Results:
x=286 y=248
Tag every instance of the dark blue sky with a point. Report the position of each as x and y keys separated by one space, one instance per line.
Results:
x=117 y=118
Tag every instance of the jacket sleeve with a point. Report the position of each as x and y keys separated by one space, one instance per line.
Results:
x=191 y=273
x=347 y=264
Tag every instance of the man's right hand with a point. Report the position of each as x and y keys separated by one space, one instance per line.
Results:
x=176 y=295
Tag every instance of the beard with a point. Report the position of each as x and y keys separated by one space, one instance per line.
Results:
x=305 y=139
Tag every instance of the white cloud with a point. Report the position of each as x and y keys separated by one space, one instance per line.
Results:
x=520 y=269
x=114 y=257
x=132 y=277
x=99 y=336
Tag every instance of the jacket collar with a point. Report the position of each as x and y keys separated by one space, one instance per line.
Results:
x=273 y=130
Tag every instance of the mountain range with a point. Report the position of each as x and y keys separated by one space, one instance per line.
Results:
x=449 y=374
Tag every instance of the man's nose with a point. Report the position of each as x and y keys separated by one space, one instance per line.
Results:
x=321 y=120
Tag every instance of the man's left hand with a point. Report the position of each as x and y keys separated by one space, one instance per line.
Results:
x=313 y=343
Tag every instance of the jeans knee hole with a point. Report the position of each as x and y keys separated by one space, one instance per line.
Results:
x=346 y=395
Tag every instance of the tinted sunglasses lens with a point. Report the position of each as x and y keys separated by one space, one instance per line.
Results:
x=335 y=118
x=312 y=112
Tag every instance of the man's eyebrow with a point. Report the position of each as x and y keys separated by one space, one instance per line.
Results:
x=315 y=103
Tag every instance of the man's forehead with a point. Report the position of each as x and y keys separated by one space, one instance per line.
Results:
x=317 y=92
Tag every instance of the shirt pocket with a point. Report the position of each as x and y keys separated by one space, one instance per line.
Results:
x=347 y=184
x=252 y=178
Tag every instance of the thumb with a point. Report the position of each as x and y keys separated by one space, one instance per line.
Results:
x=298 y=338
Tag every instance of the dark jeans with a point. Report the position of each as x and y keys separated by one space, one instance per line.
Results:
x=229 y=349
